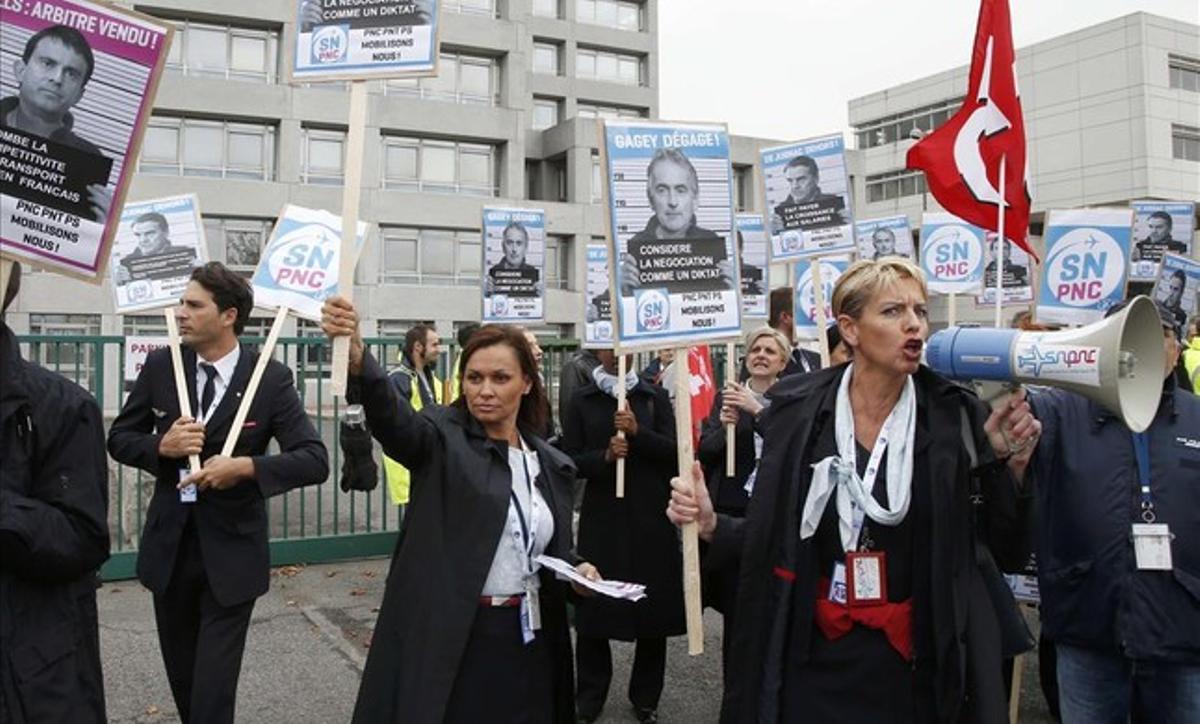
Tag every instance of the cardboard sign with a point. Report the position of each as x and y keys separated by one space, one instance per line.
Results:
x=951 y=254
x=598 y=325
x=808 y=198
x=299 y=266
x=360 y=39
x=1016 y=278
x=137 y=349
x=753 y=250
x=514 y=264
x=1086 y=267
x=157 y=246
x=882 y=238
x=1159 y=227
x=1178 y=287
x=805 y=299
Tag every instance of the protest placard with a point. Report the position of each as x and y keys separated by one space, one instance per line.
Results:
x=671 y=217
x=881 y=238
x=1016 y=280
x=77 y=81
x=1159 y=227
x=951 y=254
x=808 y=198
x=806 y=314
x=597 y=323
x=158 y=243
x=299 y=265
x=755 y=261
x=1086 y=267
x=514 y=257
x=137 y=349
x=344 y=39
x=1178 y=287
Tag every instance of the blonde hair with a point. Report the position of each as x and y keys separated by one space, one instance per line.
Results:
x=865 y=278
x=785 y=347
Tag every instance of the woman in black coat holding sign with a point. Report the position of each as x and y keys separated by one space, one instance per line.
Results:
x=458 y=637
x=627 y=538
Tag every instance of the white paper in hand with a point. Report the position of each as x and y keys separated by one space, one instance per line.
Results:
x=612 y=589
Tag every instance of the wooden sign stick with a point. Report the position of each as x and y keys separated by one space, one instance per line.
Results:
x=6 y=268
x=818 y=286
x=351 y=190
x=621 y=372
x=952 y=309
x=691 y=531
x=264 y=356
x=730 y=429
x=181 y=391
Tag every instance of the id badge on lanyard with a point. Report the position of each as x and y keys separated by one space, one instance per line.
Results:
x=861 y=580
x=1151 y=540
x=531 y=610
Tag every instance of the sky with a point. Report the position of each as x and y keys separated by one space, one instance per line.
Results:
x=785 y=69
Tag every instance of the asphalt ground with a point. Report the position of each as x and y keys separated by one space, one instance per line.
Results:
x=308 y=640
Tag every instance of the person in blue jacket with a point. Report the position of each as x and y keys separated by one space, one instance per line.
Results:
x=1120 y=599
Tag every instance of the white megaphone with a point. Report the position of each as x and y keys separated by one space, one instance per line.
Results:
x=1118 y=361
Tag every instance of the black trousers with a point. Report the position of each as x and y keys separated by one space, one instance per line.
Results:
x=201 y=640
x=593 y=671
x=501 y=678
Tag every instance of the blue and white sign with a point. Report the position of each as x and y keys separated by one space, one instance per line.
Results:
x=157 y=245
x=672 y=230
x=881 y=238
x=808 y=198
x=299 y=267
x=1159 y=227
x=359 y=39
x=752 y=247
x=514 y=261
x=598 y=325
x=805 y=300
x=1086 y=266
x=951 y=254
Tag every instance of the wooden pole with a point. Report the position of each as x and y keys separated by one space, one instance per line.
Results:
x=818 y=286
x=1014 y=693
x=730 y=430
x=264 y=356
x=181 y=390
x=691 y=534
x=1000 y=244
x=952 y=309
x=6 y=268
x=351 y=190
x=621 y=372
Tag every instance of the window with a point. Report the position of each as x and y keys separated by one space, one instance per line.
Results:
x=430 y=256
x=75 y=358
x=608 y=66
x=620 y=14
x=1185 y=142
x=895 y=184
x=144 y=325
x=556 y=261
x=1184 y=72
x=224 y=51
x=486 y=8
x=597 y=179
x=545 y=58
x=598 y=110
x=546 y=8
x=557 y=168
x=421 y=164
x=238 y=241
x=898 y=126
x=195 y=147
x=545 y=113
x=461 y=78
x=323 y=155
x=743 y=191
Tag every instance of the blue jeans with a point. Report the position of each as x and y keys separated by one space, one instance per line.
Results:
x=1096 y=687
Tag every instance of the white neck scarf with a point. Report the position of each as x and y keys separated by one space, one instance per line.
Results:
x=841 y=471
x=608 y=383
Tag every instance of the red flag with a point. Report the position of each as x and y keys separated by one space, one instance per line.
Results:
x=703 y=388
x=961 y=158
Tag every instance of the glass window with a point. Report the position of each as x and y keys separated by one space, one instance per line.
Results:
x=74 y=360
x=471 y=7
x=475 y=169
x=161 y=143
x=597 y=179
x=224 y=51
x=545 y=8
x=190 y=147
x=245 y=151
x=585 y=64
x=475 y=79
x=437 y=163
x=1184 y=72
x=248 y=54
x=608 y=66
x=461 y=78
x=545 y=58
x=202 y=149
x=322 y=156
x=545 y=114
x=894 y=185
x=399 y=258
x=437 y=256
x=400 y=162
x=470 y=256
x=434 y=165
x=622 y=14
x=1185 y=142
x=629 y=16
x=239 y=241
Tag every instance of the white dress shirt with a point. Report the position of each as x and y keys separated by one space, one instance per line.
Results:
x=225 y=367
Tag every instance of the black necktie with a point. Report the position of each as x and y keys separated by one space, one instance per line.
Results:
x=210 y=388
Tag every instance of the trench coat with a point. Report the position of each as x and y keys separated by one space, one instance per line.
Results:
x=773 y=566
x=53 y=538
x=461 y=485
x=630 y=538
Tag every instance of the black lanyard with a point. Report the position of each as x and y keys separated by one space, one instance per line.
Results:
x=526 y=534
x=1141 y=449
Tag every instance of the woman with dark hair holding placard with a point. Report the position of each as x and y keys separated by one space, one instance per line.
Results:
x=471 y=628
x=863 y=558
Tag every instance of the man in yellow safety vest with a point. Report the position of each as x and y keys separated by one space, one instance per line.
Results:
x=416 y=382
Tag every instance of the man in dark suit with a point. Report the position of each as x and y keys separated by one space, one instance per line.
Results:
x=782 y=317
x=204 y=549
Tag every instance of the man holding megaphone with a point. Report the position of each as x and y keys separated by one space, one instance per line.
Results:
x=1119 y=547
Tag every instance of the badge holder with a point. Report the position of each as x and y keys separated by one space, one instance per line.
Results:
x=866 y=578
x=187 y=494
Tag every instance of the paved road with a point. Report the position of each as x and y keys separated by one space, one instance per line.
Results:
x=308 y=640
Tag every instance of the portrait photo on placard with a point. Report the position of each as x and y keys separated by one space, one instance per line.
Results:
x=881 y=238
x=808 y=198
x=514 y=255
x=158 y=244
x=1159 y=227
x=1016 y=278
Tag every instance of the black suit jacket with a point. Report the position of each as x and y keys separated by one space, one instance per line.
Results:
x=232 y=523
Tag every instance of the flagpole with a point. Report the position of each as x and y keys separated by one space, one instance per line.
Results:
x=1000 y=245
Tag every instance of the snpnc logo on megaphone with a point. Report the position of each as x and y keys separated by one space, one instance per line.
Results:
x=1085 y=268
x=1062 y=362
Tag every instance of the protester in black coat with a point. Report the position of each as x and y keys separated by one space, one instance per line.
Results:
x=625 y=537
x=445 y=648
x=53 y=538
